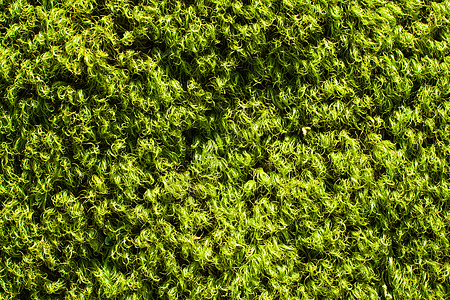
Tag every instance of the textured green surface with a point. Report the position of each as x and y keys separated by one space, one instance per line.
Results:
x=224 y=149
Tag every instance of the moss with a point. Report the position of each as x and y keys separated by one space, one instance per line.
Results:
x=224 y=149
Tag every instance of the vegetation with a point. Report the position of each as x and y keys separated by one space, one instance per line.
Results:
x=210 y=149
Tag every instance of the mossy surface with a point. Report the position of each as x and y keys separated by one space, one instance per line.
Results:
x=220 y=149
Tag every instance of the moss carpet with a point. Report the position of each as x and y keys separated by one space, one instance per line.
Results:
x=218 y=149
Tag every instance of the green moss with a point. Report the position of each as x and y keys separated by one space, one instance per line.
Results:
x=224 y=149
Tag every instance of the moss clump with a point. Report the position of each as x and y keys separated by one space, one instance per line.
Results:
x=224 y=149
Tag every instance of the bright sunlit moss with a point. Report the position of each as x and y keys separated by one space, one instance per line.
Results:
x=219 y=149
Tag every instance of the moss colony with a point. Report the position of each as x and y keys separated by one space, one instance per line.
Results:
x=219 y=149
